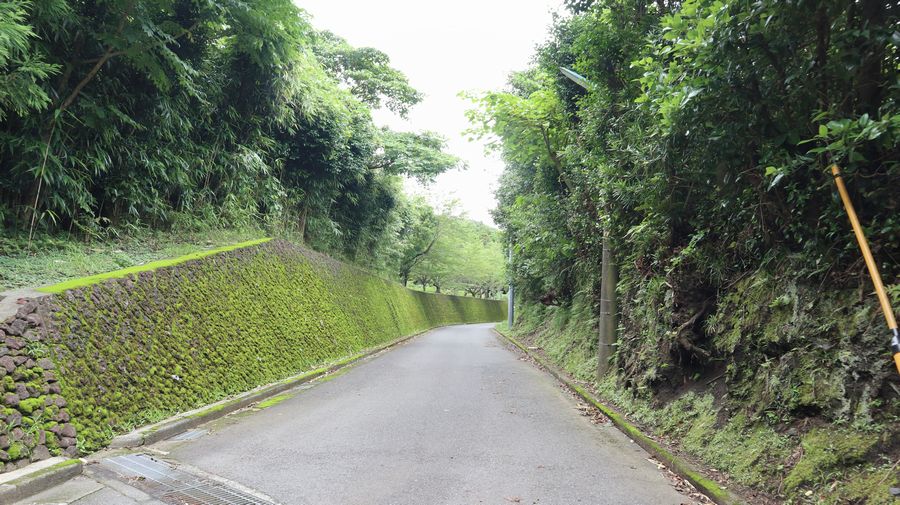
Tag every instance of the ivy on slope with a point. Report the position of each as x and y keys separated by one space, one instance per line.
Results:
x=134 y=350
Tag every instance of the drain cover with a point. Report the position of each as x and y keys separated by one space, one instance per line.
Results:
x=171 y=485
x=190 y=435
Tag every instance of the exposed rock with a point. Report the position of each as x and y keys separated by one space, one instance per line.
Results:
x=62 y=417
x=45 y=363
x=4 y=456
x=67 y=431
x=14 y=419
x=11 y=399
x=26 y=309
x=40 y=452
x=35 y=319
x=8 y=363
x=16 y=327
x=71 y=451
x=22 y=392
x=54 y=388
x=14 y=342
x=66 y=442
x=4 y=441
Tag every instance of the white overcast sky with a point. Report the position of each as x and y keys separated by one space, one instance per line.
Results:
x=444 y=48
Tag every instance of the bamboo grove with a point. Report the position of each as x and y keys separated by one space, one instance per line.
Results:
x=117 y=116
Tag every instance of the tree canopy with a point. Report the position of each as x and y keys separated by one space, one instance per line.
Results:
x=121 y=115
x=134 y=114
x=703 y=142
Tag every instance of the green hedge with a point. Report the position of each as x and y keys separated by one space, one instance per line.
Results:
x=134 y=350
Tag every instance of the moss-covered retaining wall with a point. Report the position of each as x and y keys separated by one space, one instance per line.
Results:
x=34 y=415
x=133 y=350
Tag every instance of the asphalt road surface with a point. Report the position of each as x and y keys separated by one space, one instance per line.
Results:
x=451 y=417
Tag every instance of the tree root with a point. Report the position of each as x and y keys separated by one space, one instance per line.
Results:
x=681 y=336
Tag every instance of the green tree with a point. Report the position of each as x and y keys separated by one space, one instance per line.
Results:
x=22 y=67
x=418 y=155
x=367 y=72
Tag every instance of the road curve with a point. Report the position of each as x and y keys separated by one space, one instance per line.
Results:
x=452 y=417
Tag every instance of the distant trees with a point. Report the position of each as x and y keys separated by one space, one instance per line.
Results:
x=466 y=257
x=417 y=235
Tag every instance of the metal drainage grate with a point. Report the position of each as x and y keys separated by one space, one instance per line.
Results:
x=190 y=435
x=169 y=484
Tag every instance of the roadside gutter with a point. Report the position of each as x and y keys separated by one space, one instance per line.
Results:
x=679 y=466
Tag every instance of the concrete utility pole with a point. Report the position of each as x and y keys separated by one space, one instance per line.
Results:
x=510 y=312
x=609 y=277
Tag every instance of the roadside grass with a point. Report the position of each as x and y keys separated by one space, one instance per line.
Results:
x=153 y=265
x=50 y=260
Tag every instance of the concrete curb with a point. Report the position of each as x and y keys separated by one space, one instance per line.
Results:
x=39 y=479
x=179 y=424
x=681 y=467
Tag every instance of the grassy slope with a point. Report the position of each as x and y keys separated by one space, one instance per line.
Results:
x=52 y=260
x=153 y=265
x=136 y=349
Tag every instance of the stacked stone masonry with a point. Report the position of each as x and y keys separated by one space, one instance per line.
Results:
x=102 y=358
x=34 y=419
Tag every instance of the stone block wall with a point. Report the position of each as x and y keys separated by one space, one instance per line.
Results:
x=34 y=418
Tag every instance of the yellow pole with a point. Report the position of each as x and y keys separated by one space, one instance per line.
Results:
x=870 y=263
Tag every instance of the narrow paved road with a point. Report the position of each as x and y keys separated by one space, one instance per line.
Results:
x=451 y=417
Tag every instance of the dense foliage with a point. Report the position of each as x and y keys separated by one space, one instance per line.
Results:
x=705 y=141
x=175 y=114
x=702 y=147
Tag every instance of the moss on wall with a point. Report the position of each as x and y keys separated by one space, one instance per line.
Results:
x=34 y=418
x=136 y=349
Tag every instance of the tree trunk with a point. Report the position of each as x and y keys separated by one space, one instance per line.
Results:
x=608 y=322
x=302 y=223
